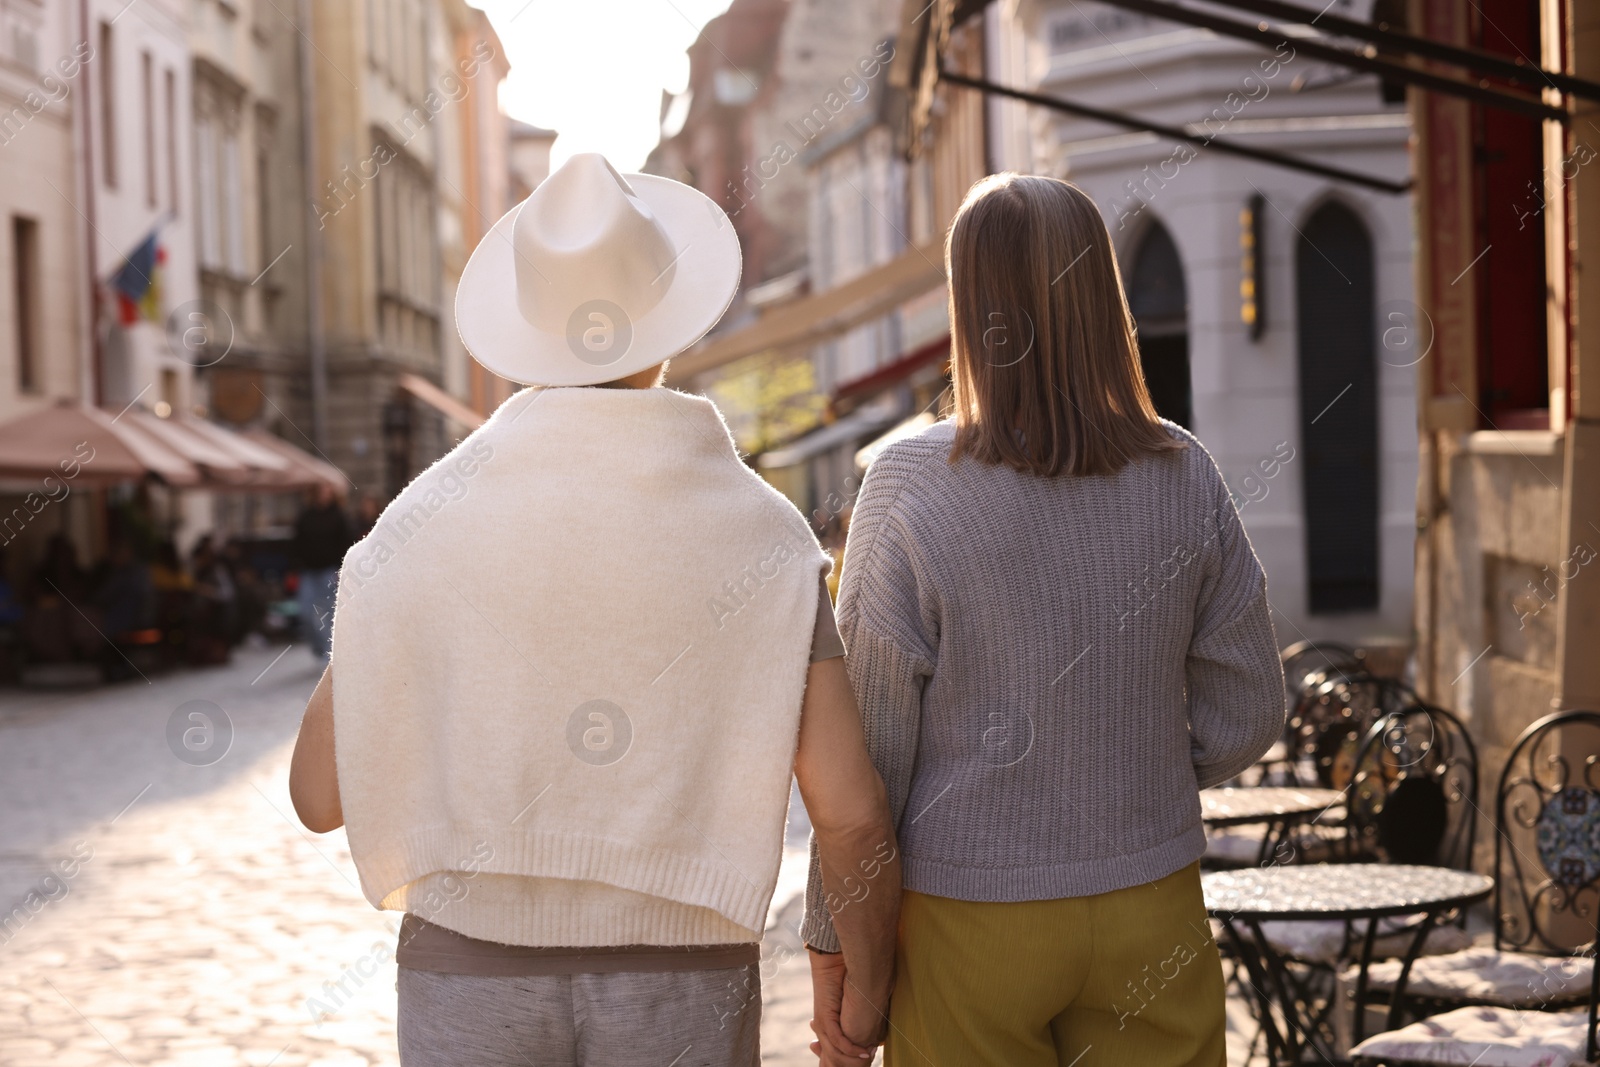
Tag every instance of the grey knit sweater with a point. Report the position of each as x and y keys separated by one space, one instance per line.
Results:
x=1049 y=669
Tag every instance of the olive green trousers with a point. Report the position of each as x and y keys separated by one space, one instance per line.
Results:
x=1130 y=978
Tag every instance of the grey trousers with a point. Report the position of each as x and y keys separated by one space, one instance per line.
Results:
x=667 y=1019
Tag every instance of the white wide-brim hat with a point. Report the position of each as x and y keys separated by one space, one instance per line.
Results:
x=595 y=276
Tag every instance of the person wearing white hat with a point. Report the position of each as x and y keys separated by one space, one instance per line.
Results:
x=574 y=664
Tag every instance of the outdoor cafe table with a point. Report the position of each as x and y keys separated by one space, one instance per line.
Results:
x=1238 y=805
x=1321 y=891
x=1280 y=807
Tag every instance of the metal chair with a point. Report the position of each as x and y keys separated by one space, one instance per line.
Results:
x=1524 y=988
x=1413 y=793
x=1411 y=797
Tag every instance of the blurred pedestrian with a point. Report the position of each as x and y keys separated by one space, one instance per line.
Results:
x=253 y=593
x=126 y=600
x=167 y=572
x=215 y=606
x=322 y=535
x=1043 y=735
x=592 y=597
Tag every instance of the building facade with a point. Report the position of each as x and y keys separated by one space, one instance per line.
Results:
x=44 y=318
x=44 y=341
x=248 y=335
x=1508 y=365
x=1259 y=291
x=380 y=80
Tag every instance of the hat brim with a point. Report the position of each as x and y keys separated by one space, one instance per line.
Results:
x=704 y=280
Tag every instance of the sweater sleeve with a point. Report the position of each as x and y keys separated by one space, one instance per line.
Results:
x=1234 y=676
x=890 y=637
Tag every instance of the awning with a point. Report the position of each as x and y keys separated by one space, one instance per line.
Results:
x=87 y=446
x=216 y=463
x=851 y=428
x=304 y=468
x=440 y=401
x=823 y=315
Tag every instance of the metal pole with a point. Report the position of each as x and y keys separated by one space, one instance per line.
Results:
x=1517 y=70
x=1178 y=134
x=315 y=340
x=1261 y=35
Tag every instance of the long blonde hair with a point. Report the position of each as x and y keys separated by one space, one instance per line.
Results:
x=1044 y=358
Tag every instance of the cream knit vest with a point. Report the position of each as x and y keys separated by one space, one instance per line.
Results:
x=568 y=667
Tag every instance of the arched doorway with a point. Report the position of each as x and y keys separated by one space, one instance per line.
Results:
x=1159 y=300
x=1338 y=409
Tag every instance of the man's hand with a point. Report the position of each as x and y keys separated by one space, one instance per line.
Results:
x=837 y=1010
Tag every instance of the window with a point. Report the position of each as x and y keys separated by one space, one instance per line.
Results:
x=232 y=191
x=25 y=269
x=147 y=104
x=206 y=188
x=1158 y=297
x=263 y=197
x=172 y=141
x=108 y=107
x=1338 y=409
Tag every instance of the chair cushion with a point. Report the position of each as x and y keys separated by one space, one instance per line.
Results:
x=1322 y=941
x=1485 y=1037
x=1514 y=979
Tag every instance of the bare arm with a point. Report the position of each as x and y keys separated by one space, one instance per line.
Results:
x=313 y=778
x=855 y=837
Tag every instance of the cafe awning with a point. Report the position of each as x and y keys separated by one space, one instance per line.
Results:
x=217 y=464
x=88 y=446
x=304 y=468
x=440 y=401
x=823 y=315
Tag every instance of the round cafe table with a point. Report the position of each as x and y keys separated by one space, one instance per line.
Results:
x=1238 y=805
x=1345 y=891
x=1280 y=807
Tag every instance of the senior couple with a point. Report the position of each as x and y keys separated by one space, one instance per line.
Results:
x=561 y=719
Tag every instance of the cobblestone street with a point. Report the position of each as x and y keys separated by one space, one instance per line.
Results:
x=169 y=913
x=164 y=914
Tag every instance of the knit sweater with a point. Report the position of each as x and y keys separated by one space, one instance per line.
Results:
x=568 y=664
x=1049 y=669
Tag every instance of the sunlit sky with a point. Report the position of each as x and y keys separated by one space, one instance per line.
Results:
x=593 y=70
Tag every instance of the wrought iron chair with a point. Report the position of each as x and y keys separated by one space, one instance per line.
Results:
x=1308 y=662
x=1534 y=991
x=1411 y=797
x=1322 y=736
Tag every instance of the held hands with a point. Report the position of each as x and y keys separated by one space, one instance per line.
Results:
x=848 y=1025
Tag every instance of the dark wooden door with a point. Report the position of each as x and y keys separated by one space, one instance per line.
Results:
x=1338 y=410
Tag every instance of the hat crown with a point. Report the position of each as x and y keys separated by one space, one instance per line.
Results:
x=582 y=236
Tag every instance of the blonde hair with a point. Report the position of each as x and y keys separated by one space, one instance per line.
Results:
x=1044 y=359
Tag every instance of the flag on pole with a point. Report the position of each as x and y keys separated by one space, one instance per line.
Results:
x=137 y=283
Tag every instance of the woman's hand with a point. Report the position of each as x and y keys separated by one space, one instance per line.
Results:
x=833 y=1003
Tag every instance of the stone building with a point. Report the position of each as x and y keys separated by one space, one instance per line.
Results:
x=382 y=74
x=249 y=193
